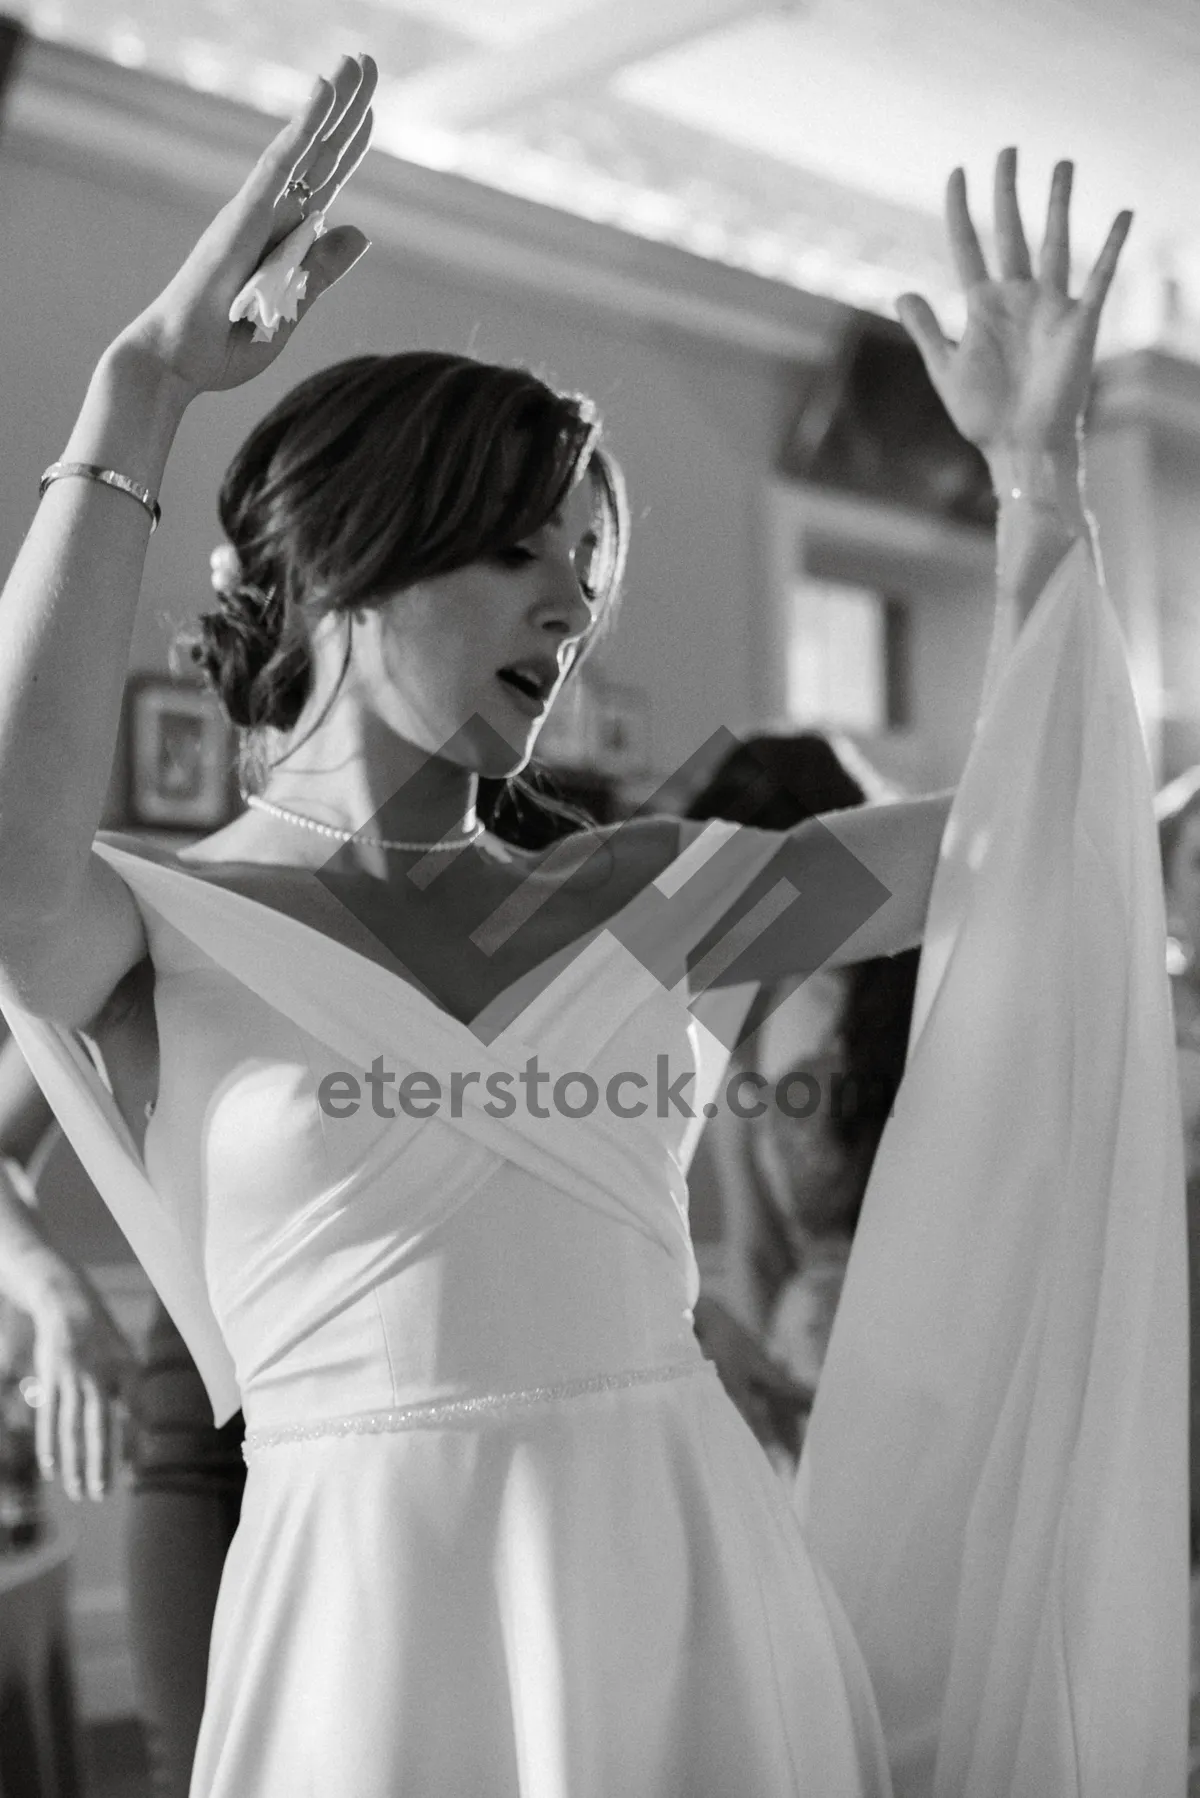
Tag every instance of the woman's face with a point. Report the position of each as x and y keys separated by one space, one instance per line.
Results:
x=1183 y=880
x=467 y=665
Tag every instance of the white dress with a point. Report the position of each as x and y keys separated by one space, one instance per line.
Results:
x=503 y=1532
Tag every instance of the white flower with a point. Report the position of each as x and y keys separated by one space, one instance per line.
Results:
x=274 y=291
x=225 y=569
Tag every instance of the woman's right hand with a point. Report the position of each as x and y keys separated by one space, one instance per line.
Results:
x=186 y=331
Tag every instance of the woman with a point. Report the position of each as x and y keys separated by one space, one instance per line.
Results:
x=792 y=1174
x=502 y=1530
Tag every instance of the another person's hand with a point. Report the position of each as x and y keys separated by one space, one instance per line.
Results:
x=1019 y=377
x=186 y=331
x=83 y=1366
x=771 y=1401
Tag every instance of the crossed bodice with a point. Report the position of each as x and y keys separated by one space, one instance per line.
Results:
x=373 y=1203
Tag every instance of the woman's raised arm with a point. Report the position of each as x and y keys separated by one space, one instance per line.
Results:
x=68 y=928
x=1015 y=386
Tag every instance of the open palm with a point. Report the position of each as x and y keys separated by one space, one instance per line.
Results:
x=1020 y=375
x=187 y=328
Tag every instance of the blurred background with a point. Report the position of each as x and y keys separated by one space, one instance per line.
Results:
x=700 y=212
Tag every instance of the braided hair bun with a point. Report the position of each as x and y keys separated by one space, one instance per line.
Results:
x=238 y=646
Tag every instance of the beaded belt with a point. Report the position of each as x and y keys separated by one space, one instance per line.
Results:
x=463 y=1410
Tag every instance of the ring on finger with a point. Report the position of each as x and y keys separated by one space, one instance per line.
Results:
x=299 y=189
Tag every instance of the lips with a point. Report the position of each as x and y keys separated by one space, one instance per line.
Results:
x=530 y=682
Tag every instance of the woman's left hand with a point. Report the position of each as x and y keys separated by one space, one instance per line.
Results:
x=1019 y=378
x=771 y=1401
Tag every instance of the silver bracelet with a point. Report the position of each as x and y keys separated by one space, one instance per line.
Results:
x=92 y=471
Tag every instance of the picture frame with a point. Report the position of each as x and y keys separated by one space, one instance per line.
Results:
x=181 y=755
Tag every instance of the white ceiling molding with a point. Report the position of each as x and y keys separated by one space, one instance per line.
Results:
x=726 y=127
x=103 y=122
x=581 y=51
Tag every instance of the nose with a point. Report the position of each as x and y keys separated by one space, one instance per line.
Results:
x=563 y=611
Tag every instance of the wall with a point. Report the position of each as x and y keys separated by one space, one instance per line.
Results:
x=1177 y=484
x=1143 y=479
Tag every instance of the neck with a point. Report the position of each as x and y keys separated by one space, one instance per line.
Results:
x=356 y=800
x=357 y=775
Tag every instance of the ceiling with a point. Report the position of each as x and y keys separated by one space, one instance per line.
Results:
x=808 y=142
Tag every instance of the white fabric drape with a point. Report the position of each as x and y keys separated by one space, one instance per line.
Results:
x=995 y=1475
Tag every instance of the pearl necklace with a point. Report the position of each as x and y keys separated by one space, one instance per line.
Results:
x=352 y=836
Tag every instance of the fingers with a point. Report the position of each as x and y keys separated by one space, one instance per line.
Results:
x=315 y=137
x=77 y=1429
x=45 y=1425
x=1095 y=289
x=772 y=1376
x=348 y=126
x=1054 y=261
x=920 y=321
x=964 y=244
x=784 y=1396
x=331 y=257
x=71 y=1450
x=273 y=170
x=1010 y=233
x=96 y=1439
x=1054 y=264
x=352 y=154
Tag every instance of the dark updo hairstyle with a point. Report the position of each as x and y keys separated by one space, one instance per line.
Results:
x=775 y=783
x=371 y=476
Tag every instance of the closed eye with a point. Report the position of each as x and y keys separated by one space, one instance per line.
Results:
x=516 y=556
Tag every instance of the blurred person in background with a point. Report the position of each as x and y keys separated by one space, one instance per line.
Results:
x=83 y=1365
x=1178 y=812
x=95 y=1399
x=1177 y=808
x=791 y=1178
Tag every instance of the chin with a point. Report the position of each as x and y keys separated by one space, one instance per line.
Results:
x=490 y=751
x=503 y=767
